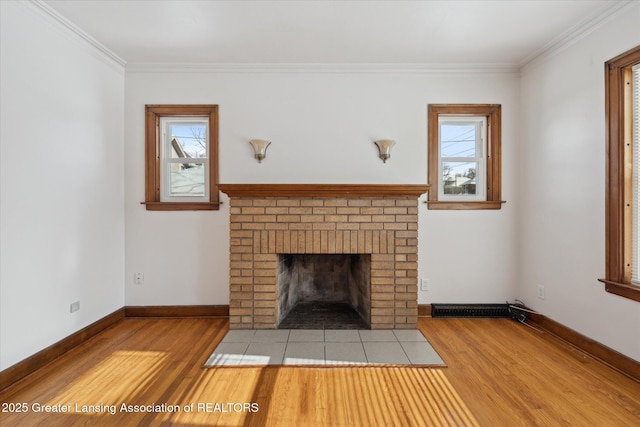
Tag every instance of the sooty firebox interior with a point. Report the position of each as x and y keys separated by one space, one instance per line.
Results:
x=324 y=291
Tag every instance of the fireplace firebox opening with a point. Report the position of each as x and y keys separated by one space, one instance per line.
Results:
x=324 y=291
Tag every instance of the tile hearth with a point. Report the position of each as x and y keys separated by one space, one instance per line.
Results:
x=252 y=347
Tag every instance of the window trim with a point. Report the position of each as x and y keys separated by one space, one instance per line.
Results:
x=493 y=155
x=619 y=197
x=153 y=113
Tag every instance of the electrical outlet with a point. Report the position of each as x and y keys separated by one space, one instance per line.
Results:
x=540 y=291
x=424 y=284
x=138 y=278
x=75 y=306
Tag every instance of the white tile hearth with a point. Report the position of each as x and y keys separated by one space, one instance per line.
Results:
x=345 y=353
x=381 y=352
x=341 y=335
x=330 y=347
x=306 y=335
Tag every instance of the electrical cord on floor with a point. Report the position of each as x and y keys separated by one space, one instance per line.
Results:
x=516 y=311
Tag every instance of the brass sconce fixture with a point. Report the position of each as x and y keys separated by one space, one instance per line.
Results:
x=384 y=147
x=259 y=148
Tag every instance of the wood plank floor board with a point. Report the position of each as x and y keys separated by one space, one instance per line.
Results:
x=548 y=383
x=500 y=373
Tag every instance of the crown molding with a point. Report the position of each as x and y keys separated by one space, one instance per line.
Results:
x=83 y=36
x=344 y=68
x=575 y=33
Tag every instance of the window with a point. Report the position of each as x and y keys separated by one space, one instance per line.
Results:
x=181 y=157
x=462 y=144
x=635 y=267
x=622 y=104
x=464 y=156
x=184 y=162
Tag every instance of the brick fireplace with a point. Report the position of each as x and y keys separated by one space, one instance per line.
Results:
x=271 y=220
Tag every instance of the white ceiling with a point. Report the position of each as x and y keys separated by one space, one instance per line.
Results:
x=505 y=33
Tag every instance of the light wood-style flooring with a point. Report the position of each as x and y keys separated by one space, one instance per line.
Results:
x=500 y=373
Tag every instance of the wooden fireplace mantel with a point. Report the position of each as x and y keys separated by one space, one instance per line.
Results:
x=324 y=190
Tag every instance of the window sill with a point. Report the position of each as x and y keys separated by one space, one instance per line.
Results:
x=440 y=205
x=622 y=289
x=177 y=206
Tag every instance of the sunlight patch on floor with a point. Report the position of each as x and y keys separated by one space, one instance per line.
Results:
x=118 y=379
x=215 y=396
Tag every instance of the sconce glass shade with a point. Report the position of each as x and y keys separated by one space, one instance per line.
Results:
x=384 y=147
x=259 y=148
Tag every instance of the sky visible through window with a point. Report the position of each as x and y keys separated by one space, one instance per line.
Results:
x=456 y=141
x=192 y=138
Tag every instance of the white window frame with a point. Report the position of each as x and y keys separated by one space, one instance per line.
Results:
x=166 y=159
x=480 y=123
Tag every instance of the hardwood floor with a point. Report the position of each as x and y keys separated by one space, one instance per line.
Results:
x=499 y=373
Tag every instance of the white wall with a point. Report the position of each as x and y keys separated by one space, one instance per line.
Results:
x=563 y=160
x=322 y=125
x=61 y=198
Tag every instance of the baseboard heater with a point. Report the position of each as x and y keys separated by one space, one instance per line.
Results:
x=470 y=310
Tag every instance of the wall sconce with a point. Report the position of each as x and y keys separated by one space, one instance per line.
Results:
x=259 y=148
x=384 y=147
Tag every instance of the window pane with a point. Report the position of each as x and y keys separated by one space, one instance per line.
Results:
x=458 y=140
x=188 y=140
x=459 y=178
x=185 y=154
x=186 y=179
